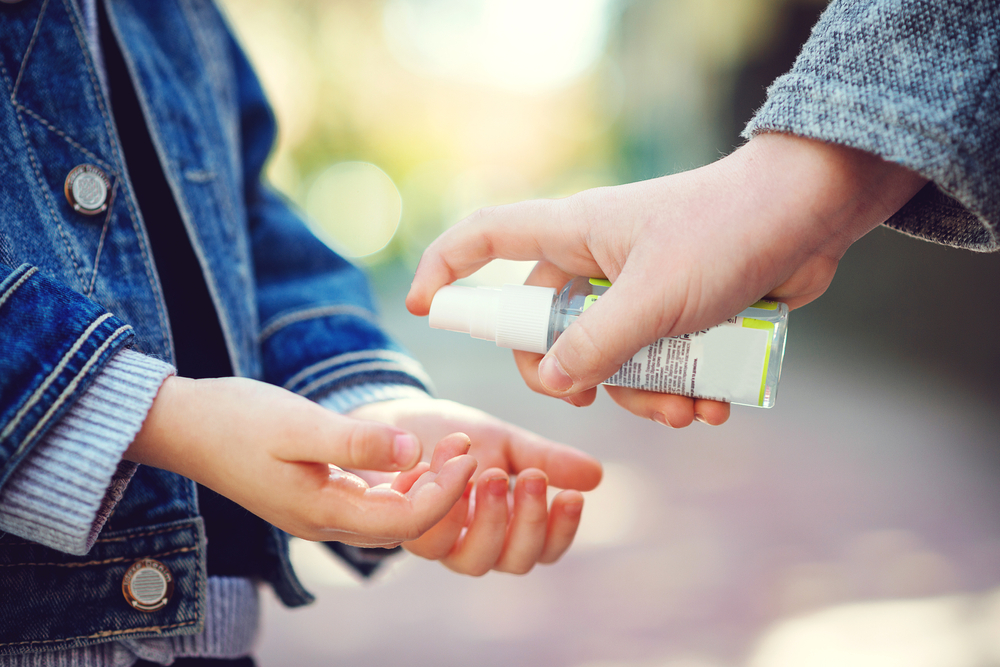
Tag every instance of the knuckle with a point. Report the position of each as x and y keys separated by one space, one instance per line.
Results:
x=409 y=533
x=354 y=445
x=477 y=570
x=364 y=447
x=521 y=568
x=584 y=347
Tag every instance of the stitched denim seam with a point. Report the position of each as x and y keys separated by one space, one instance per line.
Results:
x=352 y=370
x=108 y=633
x=229 y=337
x=65 y=137
x=106 y=561
x=148 y=533
x=13 y=288
x=36 y=396
x=44 y=189
x=123 y=538
x=71 y=387
x=112 y=135
x=349 y=357
x=283 y=320
x=104 y=234
x=161 y=315
x=31 y=47
x=192 y=21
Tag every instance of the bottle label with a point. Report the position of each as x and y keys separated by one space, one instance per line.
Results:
x=727 y=362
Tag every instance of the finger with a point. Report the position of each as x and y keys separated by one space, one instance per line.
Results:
x=527 y=365
x=709 y=412
x=607 y=335
x=449 y=447
x=524 y=231
x=526 y=533
x=317 y=435
x=566 y=467
x=582 y=399
x=667 y=409
x=405 y=480
x=484 y=538
x=440 y=540
x=547 y=274
x=564 y=519
x=384 y=513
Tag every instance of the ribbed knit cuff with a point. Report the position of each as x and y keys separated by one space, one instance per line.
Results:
x=63 y=492
x=346 y=399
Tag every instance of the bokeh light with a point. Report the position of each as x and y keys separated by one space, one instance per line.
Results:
x=354 y=207
x=527 y=46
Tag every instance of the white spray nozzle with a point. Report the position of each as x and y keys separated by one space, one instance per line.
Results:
x=468 y=310
x=515 y=316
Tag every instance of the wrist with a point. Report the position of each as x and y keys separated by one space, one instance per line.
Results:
x=826 y=195
x=153 y=443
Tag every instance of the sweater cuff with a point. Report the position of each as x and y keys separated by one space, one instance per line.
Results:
x=346 y=399
x=63 y=492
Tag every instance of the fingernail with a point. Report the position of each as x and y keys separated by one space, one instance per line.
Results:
x=661 y=418
x=573 y=510
x=570 y=400
x=535 y=486
x=700 y=418
x=498 y=486
x=552 y=375
x=404 y=450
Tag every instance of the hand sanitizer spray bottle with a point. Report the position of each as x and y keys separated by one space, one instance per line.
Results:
x=738 y=361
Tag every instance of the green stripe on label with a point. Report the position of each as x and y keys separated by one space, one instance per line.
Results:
x=589 y=301
x=766 y=304
x=600 y=282
x=750 y=323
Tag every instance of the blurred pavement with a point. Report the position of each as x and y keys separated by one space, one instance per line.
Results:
x=870 y=491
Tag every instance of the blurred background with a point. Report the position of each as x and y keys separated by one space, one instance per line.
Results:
x=857 y=522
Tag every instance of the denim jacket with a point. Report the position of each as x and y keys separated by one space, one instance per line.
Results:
x=76 y=290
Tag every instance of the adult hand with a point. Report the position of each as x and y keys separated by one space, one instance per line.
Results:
x=684 y=252
x=492 y=527
x=282 y=457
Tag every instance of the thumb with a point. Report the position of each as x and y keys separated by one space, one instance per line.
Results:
x=352 y=443
x=608 y=334
x=527 y=231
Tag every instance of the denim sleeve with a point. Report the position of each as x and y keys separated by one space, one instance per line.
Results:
x=318 y=327
x=64 y=490
x=915 y=82
x=54 y=343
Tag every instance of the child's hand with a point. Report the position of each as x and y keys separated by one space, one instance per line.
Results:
x=684 y=252
x=492 y=528
x=282 y=456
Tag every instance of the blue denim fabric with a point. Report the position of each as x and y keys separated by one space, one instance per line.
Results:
x=76 y=289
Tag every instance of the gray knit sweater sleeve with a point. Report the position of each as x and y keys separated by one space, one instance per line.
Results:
x=915 y=82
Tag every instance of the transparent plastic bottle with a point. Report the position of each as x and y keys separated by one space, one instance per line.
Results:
x=738 y=361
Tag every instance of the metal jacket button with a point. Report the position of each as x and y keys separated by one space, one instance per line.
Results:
x=148 y=585
x=87 y=189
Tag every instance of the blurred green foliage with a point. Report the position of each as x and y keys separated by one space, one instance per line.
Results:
x=348 y=83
